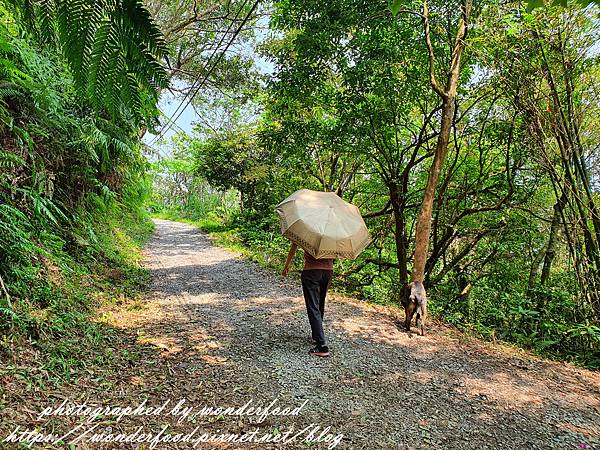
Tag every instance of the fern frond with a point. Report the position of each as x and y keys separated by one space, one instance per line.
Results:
x=9 y=92
x=105 y=43
x=9 y=159
x=102 y=64
x=47 y=21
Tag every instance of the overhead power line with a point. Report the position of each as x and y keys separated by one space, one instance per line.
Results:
x=169 y=123
x=195 y=88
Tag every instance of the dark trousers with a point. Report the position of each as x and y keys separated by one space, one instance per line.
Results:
x=315 y=283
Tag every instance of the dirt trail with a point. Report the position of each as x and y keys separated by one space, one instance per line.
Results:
x=242 y=333
x=217 y=330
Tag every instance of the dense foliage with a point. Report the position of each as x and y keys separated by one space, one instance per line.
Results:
x=72 y=175
x=350 y=108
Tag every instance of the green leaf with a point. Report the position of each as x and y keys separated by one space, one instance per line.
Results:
x=395 y=6
x=104 y=41
x=532 y=4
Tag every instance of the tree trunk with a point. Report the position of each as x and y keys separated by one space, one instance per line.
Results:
x=423 y=227
x=533 y=272
x=448 y=95
x=552 y=238
x=399 y=232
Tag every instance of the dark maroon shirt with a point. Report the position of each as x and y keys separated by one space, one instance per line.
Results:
x=314 y=263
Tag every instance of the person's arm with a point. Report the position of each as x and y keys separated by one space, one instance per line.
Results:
x=290 y=256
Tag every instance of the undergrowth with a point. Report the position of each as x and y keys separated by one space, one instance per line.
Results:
x=51 y=330
x=72 y=183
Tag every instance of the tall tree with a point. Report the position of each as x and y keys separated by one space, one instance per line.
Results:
x=555 y=90
x=447 y=93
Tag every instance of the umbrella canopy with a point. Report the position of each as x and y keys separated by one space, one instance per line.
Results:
x=323 y=224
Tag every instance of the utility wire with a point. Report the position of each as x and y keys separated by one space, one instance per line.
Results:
x=206 y=64
x=170 y=120
x=197 y=86
x=220 y=56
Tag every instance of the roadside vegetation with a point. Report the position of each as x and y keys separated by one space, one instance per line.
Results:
x=72 y=183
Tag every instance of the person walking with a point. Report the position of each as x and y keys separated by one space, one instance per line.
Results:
x=326 y=227
x=316 y=278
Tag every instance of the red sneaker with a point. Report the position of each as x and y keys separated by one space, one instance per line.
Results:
x=323 y=352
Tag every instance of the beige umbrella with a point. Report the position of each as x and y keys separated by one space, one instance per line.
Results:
x=323 y=224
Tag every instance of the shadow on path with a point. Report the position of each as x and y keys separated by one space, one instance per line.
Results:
x=239 y=332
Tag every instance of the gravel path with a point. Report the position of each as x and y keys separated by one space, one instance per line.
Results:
x=217 y=331
x=229 y=331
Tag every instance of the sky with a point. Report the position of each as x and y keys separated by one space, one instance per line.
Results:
x=169 y=102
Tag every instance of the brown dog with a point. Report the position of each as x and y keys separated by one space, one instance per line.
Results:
x=414 y=300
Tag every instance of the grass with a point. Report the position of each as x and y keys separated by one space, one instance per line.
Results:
x=56 y=331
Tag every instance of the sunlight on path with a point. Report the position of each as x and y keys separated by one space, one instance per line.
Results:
x=242 y=333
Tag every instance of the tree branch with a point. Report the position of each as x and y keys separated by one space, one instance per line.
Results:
x=432 y=79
